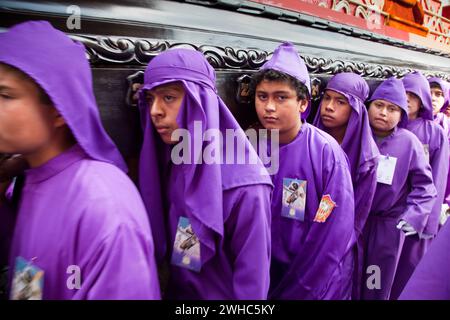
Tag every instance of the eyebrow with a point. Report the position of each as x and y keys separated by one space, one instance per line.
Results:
x=275 y=92
x=168 y=88
x=3 y=87
x=339 y=98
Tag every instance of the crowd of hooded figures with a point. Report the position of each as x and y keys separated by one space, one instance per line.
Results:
x=355 y=209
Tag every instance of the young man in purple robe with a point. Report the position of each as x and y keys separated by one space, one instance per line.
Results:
x=313 y=202
x=440 y=98
x=405 y=192
x=430 y=280
x=440 y=91
x=75 y=227
x=210 y=217
x=435 y=145
x=344 y=116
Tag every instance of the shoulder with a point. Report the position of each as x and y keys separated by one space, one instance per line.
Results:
x=437 y=135
x=247 y=192
x=254 y=200
x=404 y=136
x=410 y=146
x=109 y=197
x=324 y=145
x=436 y=130
x=100 y=179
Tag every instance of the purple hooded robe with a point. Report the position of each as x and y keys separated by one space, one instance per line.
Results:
x=433 y=138
x=362 y=153
x=312 y=258
x=78 y=211
x=410 y=197
x=228 y=205
x=430 y=280
x=443 y=121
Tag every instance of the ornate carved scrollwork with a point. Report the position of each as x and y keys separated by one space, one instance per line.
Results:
x=135 y=82
x=110 y=50
x=140 y=51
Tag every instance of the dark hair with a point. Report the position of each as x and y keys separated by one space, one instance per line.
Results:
x=45 y=99
x=278 y=76
x=435 y=85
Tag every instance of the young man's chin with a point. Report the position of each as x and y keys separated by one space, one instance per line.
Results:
x=436 y=110
x=6 y=150
x=381 y=129
x=270 y=126
x=168 y=140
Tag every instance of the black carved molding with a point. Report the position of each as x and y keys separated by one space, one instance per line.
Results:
x=273 y=12
x=111 y=50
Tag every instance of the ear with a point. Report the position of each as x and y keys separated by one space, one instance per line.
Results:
x=58 y=120
x=302 y=105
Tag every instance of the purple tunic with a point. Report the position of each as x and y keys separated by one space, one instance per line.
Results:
x=228 y=205
x=433 y=135
x=410 y=197
x=78 y=210
x=97 y=223
x=430 y=280
x=443 y=121
x=362 y=153
x=310 y=259
x=435 y=144
x=240 y=269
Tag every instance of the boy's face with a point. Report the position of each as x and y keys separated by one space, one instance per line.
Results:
x=414 y=104
x=437 y=99
x=277 y=106
x=27 y=124
x=383 y=115
x=164 y=104
x=335 y=110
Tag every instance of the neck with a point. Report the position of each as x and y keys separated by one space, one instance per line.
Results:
x=288 y=136
x=413 y=116
x=59 y=144
x=338 y=133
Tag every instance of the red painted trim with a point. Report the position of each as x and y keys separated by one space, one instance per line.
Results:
x=331 y=15
x=446 y=12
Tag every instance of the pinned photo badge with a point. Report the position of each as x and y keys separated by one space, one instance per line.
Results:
x=186 y=247
x=294 y=199
x=326 y=206
x=28 y=281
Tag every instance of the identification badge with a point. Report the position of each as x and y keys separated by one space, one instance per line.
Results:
x=28 y=281
x=294 y=199
x=386 y=169
x=186 y=248
x=426 y=149
x=326 y=206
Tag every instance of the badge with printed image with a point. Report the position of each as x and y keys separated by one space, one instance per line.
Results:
x=386 y=169
x=186 y=247
x=28 y=281
x=426 y=149
x=326 y=206
x=294 y=199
